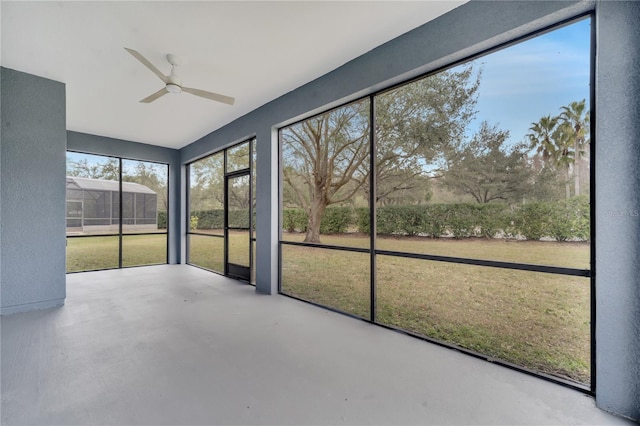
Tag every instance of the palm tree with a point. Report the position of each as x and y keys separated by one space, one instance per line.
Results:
x=541 y=138
x=564 y=155
x=575 y=117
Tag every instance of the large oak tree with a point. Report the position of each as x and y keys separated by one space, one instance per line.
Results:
x=326 y=159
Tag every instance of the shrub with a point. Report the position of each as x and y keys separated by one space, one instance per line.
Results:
x=162 y=219
x=288 y=223
x=462 y=220
x=532 y=220
x=407 y=220
x=388 y=219
x=362 y=220
x=412 y=220
x=582 y=223
x=570 y=219
x=435 y=220
x=336 y=220
x=238 y=218
x=561 y=220
x=490 y=219
x=209 y=219
x=509 y=222
x=294 y=220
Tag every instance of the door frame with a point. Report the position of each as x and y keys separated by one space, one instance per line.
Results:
x=234 y=270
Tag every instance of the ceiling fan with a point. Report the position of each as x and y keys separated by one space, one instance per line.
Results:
x=173 y=83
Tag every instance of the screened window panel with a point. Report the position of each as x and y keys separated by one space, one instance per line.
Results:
x=207 y=252
x=92 y=253
x=206 y=195
x=238 y=157
x=488 y=160
x=146 y=249
x=93 y=189
x=500 y=181
x=325 y=167
x=536 y=320
x=344 y=286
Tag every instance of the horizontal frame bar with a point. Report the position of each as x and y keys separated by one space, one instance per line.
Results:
x=115 y=235
x=205 y=235
x=558 y=270
x=326 y=246
x=238 y=173
x=491 y=263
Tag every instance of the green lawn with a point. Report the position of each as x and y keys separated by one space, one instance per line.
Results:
x=536 y=320
x=207 y=252
x=91 y=253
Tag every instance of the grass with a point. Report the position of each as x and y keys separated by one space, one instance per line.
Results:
x=536 y=320
x=551 y=253
x=91 y=253
x=207 y=252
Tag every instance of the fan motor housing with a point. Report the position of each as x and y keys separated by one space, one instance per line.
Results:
x=173 y=88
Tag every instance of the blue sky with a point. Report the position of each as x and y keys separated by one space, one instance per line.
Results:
x=534 y=78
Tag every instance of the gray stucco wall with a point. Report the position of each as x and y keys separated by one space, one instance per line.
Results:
x=32 y=165
x=465 y=31
x=617 y=164
x=101 y=145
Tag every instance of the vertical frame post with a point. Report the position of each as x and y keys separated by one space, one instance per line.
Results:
x=592 y=198
x=372 y=208
x=120 y=212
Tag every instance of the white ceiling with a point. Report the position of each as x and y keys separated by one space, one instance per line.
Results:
x=253 y=51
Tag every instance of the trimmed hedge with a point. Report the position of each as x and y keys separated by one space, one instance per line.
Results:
x=162 y=219
x=214 y=219
x=336 y=220
x=561 y=220
x=294 y=220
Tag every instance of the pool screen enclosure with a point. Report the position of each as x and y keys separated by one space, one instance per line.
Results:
x=92 y=206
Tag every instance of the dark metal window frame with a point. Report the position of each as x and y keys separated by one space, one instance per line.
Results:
x=588 y=273
x=229 y=266
x=120 y=218
x=225 y=175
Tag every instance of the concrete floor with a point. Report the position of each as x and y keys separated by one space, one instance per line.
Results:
x=177 y=345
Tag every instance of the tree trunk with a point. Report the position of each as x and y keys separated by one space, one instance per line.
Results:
x=316 y=212
x=567 y=185
x=576 y=174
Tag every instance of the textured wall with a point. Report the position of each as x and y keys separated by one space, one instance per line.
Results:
x=618 y=208
x=101 y=145
x=32 y=231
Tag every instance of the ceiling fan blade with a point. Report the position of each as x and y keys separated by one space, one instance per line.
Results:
x=155 y=96
x=148 y=64
x=210 y=95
